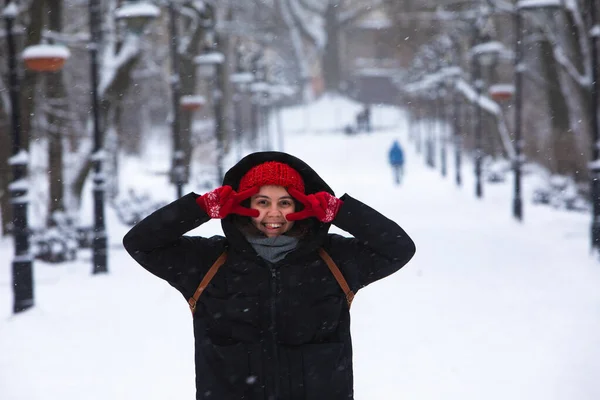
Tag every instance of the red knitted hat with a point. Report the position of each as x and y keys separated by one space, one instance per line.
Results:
x=272 y=173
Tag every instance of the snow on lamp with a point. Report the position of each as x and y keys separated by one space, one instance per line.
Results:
x=192 y=102
x=241 y=80
x=501 y=92
x=45 y=57
x=137 y=15
x=487 y=53
x=207 y=63
x=548 y=5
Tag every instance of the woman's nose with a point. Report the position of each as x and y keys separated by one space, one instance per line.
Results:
x=274 y=210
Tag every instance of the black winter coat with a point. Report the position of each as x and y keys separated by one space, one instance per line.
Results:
x=268 y=331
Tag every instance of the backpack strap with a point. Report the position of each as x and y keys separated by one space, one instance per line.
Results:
x=338 y=276
x=221 y=260
x=205 y=281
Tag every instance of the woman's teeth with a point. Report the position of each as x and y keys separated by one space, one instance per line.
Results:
x=273 y=226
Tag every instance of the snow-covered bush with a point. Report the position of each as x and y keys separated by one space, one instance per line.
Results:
x=496 y=170
x=58 y=243
x=134 y=207
x=560 y=192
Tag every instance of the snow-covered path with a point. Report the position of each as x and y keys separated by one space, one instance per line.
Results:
x=488 y=308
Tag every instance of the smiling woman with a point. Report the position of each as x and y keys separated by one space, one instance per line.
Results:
x=273 y=203
x=271 y=299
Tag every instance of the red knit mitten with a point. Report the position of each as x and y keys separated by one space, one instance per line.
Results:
x=223 y=201
x=321 y=205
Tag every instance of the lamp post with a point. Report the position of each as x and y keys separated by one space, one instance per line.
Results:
x=22 y=265
x=255 y=107
x=442 y=130
x=177 y=168
x=457 y=113
x=517 y=206
x=240 y=80
x=483 y=53
x=457 y=118
x=260 y=95
x=209 y=64
x=99 y=247
x=478 y=83
x=217 y=94
x=264 y=99
x=595 y=164
x=430 y=141
x=419 y=123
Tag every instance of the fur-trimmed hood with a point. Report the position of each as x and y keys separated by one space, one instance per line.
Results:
x=312 y=181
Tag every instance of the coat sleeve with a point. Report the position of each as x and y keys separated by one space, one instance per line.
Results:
x=158 y=244
x=379 y=247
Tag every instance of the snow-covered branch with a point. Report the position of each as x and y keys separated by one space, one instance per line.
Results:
x=186 y=38
x=310 y=24
x=80 y=39
x=296 y=40
x=129 y=50
x=582 y=78
x=487 y=104
x=502 y=6
x=431 y=81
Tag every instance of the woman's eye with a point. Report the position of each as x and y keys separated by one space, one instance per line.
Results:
x=286 y=203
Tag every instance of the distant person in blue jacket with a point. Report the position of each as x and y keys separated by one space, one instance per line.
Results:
x=396 y=157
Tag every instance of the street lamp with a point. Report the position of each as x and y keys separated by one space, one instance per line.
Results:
x=22 y=268
x=178 y=175
x=261 y=90
x=99 y=247
x=517 y=208
x=419 y=122
x=595 y=163
x=137 y=14
x=241 y=81
x=192 y=102
x=451 y=81
x=45 y=57
x=483 y=53
x=209 y=63
x=441 y=125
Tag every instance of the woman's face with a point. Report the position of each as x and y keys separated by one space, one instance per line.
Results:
x=273 y=203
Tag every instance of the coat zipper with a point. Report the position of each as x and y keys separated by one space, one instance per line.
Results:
x=273 y=331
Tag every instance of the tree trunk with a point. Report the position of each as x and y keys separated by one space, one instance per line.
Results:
x=56 y=99
x=562 y=139
x=79 y=181
x=331 y=54
x=189 y=80
x=110 y=98
x=576 y=151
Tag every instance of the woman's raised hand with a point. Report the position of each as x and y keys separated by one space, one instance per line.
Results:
x=322 y=205
x=223 y=201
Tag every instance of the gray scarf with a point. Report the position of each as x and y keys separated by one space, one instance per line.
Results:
x=274 y=248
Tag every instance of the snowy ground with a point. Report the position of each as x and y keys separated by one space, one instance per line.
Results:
x=488 y=308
